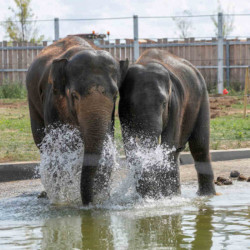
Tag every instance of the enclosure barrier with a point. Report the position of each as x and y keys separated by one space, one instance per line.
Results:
x=216 y=57
x=15 y=58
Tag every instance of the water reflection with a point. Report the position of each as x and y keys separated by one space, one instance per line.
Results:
x=203 y=229
x=174 y=224
x=128 y=230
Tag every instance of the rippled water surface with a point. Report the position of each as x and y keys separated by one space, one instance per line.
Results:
x=185 y=222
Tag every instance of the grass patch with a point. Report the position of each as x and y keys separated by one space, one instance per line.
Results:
x=240 y=106
x=12 y=90
x=16 y=143
x=230 y=132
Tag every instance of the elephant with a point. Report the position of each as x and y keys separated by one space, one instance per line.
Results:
x=72 y=82
x=164 y=97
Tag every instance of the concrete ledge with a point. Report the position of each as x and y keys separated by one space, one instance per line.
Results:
x=18 y=171
x=27 y=170
x=219 y=155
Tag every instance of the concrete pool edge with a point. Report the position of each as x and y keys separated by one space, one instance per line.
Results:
x=13 y=171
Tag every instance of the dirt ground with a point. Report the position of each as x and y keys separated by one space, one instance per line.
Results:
x=14 y=105
x=187 y=172
x=221 y=168
x=222 y=106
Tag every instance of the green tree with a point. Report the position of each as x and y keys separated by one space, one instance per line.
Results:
x=228 y=21
x=19 y=27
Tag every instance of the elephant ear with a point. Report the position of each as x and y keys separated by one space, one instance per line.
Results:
x=58 y=75
x=123 y=70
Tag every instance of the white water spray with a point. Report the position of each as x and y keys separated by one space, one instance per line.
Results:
x=61 y=164
x=62 y=160
x=141 y=160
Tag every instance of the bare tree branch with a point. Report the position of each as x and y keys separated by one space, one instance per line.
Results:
x=17 y=27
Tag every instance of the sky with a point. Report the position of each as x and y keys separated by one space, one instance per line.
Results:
x=148 y=28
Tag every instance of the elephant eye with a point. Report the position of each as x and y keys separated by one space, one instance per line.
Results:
x=74 y=95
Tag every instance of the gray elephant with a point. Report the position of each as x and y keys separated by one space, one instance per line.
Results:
x=70 y=82
x=164 y=96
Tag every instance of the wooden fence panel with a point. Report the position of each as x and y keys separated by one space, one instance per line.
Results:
x=213 y=62
x=233 y=62
x=204 y=54
x=15 y=61
x=5 y=61
x=10 y=65
x=25 y=61
x=117 y=49
x=128 y=51
x=19 y=62
x=29 y=56
x=237 y=62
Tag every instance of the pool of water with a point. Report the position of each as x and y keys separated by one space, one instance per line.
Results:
x=184 y=222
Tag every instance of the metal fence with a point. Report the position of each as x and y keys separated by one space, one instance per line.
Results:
x=221 y=61
x=15 y=58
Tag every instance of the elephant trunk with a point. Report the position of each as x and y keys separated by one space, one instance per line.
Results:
x=95 y=125
x=148 y=129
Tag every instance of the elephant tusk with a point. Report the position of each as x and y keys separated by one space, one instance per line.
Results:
x=159 y=141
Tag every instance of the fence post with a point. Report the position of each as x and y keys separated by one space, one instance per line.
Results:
x=136 y=38
x=220 y=54
x=228 y=64
x=56 y=28
x=246 y=92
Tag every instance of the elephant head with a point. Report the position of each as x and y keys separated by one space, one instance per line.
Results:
x=144 y=102
x=84 y=89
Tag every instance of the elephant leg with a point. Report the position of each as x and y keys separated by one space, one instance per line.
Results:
x=170 y=175
x=161 y=180
x=199 y=147
x=37 y=126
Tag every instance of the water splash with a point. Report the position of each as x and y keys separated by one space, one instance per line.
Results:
x=62 y=152
x=62 y=156
x=155 y=170
x=143 y=164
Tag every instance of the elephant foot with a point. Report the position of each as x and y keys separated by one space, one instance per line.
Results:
x=158 y=184
x=206 y=191
x=206 y=185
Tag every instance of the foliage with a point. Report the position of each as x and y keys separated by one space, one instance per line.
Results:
x=232 y=127
x=13 y=90
x=212 y=88
x=184 y=24
x=228 y=22
x=18 y=27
